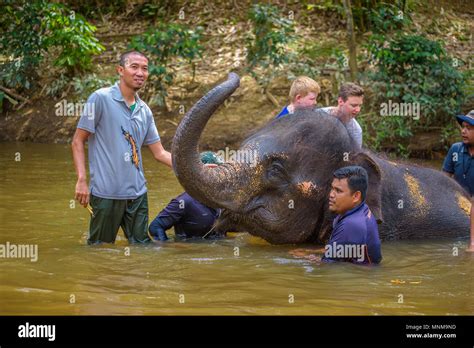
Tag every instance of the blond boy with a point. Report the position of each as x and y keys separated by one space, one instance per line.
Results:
x=303 y=93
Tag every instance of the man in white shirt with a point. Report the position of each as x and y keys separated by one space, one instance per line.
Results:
x=349 y=103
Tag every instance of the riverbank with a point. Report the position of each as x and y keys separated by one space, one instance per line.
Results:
x=250 y=107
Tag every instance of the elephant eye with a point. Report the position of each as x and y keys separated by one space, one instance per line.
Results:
x=276 y=174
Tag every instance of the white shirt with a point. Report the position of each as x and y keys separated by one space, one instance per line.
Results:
x=353 y=127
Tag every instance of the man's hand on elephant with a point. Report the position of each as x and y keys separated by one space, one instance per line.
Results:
x=306 y=254
x=82 y=193
x=210 y=165
x=299 y=252
x=470 y=248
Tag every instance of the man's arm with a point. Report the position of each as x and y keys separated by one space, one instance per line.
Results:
x=167 y=218
x=160 y=153
x=307 y=253
x=156 y=229
x=78 y=153
x=448 y=163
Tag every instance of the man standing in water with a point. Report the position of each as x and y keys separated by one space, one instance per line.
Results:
x=458 y=162
x=116 y=123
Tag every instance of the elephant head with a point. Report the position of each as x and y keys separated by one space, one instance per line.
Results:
x=280 y=194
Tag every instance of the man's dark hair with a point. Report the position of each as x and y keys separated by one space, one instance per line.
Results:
x=350 y=89
x=357 y=178
x=125 y=55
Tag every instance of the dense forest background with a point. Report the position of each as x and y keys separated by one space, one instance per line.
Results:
x=53 y=54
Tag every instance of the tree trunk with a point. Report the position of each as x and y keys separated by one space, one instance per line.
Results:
x=351 y=40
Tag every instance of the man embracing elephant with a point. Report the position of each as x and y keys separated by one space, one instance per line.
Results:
x=355 y=236
x=116 y=124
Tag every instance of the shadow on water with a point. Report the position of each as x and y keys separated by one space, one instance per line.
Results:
x=237 y=275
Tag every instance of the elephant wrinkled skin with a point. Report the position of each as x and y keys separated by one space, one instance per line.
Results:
x=282 y=196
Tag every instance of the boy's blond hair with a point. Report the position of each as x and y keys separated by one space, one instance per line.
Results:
x=303 y=85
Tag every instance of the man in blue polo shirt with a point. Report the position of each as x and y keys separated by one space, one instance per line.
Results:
x=116 y=123
x=189 y=217
x=458 y=162
x=355 y=236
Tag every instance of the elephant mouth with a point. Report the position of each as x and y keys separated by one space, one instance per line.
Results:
x=263 y=214
x=261 y=221
x=257 y=218
x=257 y=211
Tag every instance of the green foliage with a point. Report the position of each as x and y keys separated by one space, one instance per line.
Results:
x=381 y=16
x=94 y=8
x=74 y=35
x=3 y=96
x=162 y=45
x=386 y=18
x=150 y=10
x=58 y=86
x=83 y=86
x=86 y=85
x=22 y=42
x=303 y=66
x=155 y=9
x=450 y=134
x=413 y=69
x=326 y=6
x=268 y=46
x=469 y=87
x=35 y=28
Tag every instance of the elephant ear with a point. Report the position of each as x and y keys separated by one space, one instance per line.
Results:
x=374 y=190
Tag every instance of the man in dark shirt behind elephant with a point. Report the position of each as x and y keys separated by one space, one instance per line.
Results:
x=189 y=217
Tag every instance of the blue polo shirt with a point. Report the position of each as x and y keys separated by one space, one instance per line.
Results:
x=357 y=227
x=283 y=112
x=189 y=217
x=458 y=161
x=117 y=135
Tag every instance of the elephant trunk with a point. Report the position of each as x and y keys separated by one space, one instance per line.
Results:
x=215 y=187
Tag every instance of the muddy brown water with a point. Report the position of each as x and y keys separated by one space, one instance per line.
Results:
x=199 y=277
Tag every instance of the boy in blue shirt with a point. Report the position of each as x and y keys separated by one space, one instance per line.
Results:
x=458 y=162
x=303 y=93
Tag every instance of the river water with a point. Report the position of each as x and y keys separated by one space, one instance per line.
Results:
x=238 y=275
